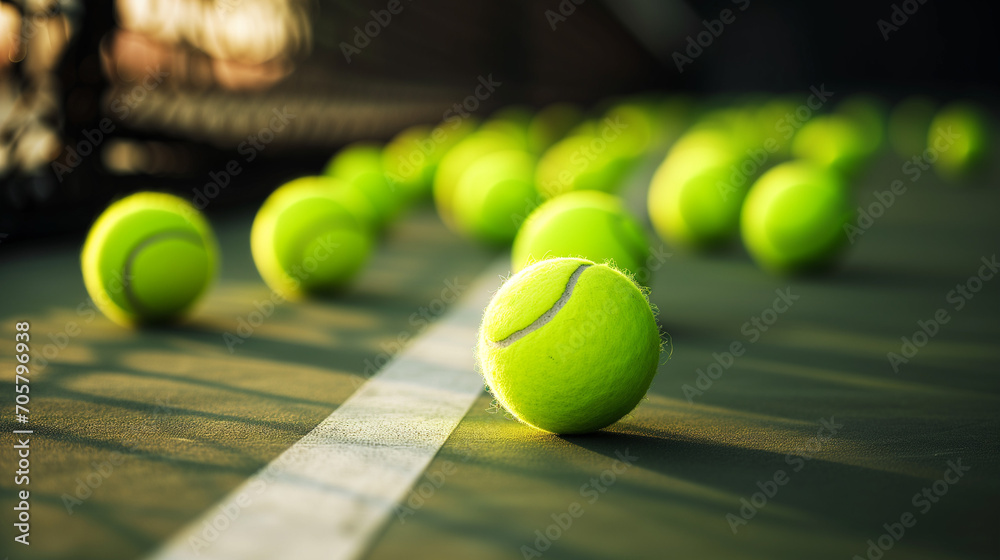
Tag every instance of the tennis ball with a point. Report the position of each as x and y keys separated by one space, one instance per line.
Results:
x=675 y=113
x=494 y=194
x=409 y=160
x=305 y=240
x=412 y=157
x=148 y=258
x=867 y=112
x=740 y=127
x=568 y=346
x=794 y=217
x=832 y=141
x=455 y=163
x=360 y=164
x=695 y=196
x=629 y=130
x=350 y=195
x=512 y=121
x=959 y=136
x=588 y=224
x=772 y=126
x=909 y=122
x=579 y=162
x=550 y=124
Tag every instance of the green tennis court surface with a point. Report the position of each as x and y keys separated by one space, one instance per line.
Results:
x=807 y=444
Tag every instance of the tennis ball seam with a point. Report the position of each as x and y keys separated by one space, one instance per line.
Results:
x=133 y=299
x=544 y=319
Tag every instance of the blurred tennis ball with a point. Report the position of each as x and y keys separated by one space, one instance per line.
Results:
x=454 y=164
x=148 y=258
x=580 y=162
x=773 y=123
x=360 y=164
x=909 y=123
x=794 y=217
x=959 y=136
x=695 y=196
x=740 y=126
x=675 y=114
x=628 y=129
x=493 y=195
x=306 y=240
x=831 y=141
x=350 y=195
x=868 y=113
x=551 y=124
x=412 y=157
x=513 y=122
x=587 y=224
x=568 y=346
x=409 y=162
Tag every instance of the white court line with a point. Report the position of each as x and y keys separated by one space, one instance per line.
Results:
x=328 y=495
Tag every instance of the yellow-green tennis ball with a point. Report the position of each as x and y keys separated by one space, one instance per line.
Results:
x=361 y=165
x=305 y=240
x=350 y=195
x=740 y=127
x=577 y=163
x=697 y=209
x=867 y=112
x=628 y=129
x=675 y=114
x=699 y=149
x=773 y=126
x=494 y=194
x=411 y=158
x=568 y=346
x=794 y=217
x=831 y=141
x=551 y=124
x=909 y=122
x=460 y=158
x=512 y=122
x=148 y=258
x=587 y=224
x=959 y=139
x=695 y=195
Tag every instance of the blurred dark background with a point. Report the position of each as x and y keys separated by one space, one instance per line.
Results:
x=160 y=93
